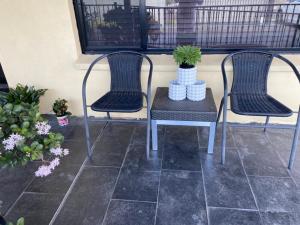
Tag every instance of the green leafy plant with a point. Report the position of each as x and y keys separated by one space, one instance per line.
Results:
x=20 y=139
x=20 y=221
x=60 y=107
x=187 y=56
x=25 y=94
x=3 y=98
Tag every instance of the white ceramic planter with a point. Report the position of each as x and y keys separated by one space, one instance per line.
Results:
x=187 y=76
x=177 y=91
x=197 y=91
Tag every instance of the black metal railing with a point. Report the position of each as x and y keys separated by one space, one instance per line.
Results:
x=112 y=24
x=212 y=27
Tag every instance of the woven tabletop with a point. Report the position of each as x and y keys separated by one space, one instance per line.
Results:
x=164 y=108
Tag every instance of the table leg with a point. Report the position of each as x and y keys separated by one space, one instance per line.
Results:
x=211 y=141
x=295 y=142
x=154 y=135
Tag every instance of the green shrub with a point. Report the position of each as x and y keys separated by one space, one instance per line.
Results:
x=25 y=94
x=60 y=108
x=3 y=98
x=187 y=56
x=21 y=119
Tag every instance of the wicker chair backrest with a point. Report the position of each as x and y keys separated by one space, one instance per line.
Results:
x=125 y=71
x=250 y=72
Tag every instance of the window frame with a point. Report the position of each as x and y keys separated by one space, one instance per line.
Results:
x=90 y=50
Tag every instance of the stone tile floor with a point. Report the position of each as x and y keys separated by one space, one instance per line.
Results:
x=180 y=185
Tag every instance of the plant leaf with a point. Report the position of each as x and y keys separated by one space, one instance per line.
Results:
x=21 y=221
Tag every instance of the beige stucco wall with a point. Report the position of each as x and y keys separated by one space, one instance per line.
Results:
x=39 y=46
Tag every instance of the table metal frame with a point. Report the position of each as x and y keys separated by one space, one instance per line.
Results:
x=211 y=125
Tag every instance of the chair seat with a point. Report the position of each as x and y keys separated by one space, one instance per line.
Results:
x=119 y=101
x=258 y=105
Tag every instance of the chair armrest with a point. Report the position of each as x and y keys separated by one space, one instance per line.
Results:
x=225 y=83
x=149 y=78
x=87 y=76
x=149 y=81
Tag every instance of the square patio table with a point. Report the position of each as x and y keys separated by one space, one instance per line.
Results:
x=165 y=111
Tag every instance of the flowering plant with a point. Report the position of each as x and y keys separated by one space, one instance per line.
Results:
x=24 y=134
x=49 y=166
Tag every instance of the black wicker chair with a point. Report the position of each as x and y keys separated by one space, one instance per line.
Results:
x=125 y=93
x=249 y=95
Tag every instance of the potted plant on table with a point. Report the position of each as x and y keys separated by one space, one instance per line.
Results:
x=187 y=58
x=60 y=108
x=186 y=84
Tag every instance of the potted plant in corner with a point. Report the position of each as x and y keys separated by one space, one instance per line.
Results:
x=60 y=108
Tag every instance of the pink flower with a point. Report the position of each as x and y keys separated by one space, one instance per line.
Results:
x=43 y=171
x=43 y=128
x=56 y=151
x=12 y=141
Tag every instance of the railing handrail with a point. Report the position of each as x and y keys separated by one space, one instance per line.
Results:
x=200 y=6
x=223 y=6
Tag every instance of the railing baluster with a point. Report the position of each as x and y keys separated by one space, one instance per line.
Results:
x=294 y=43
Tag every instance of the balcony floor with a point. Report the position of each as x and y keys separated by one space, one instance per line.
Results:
x=180 y=185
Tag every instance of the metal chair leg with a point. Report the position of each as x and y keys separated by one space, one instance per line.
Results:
x=211 y=140
x=148 y=130
x=154 y=135
x=295 y=142
x=108 y=115
x=87 y=134
x=220 y=110
x=266 y=123
x=223 y=150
